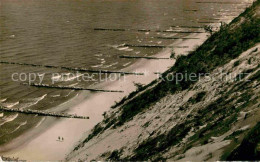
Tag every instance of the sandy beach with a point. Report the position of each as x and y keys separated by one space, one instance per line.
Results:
x=41 y=142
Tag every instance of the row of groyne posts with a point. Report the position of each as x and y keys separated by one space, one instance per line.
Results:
x=43 y=113
x=65 y=115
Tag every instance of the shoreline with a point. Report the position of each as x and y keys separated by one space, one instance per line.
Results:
x=93 y=105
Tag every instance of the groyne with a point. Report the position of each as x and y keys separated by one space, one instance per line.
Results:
x=143 y=57
x=71 y=88
x=146 y=30
x=72 y=68
x=174 y=38
x=152 y=46
x=43 y=113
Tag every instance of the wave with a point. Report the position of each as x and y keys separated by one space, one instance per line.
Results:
x=3 y=100
x=40 y=122
x=58 y=95
x=72 y=78
x=33 y=101
x=72 y=85
x=22 y=124
x=101 y=64
x=125 y=49
x=127 y=63
x=10 y=105
x=95 y=66
x=69 y=93
x=103 y=61
x=9 y=119
x=62 y=77
x=98 y=55
x=56 y=77
x=121 y=47
x=38 y=99
x=111 y=65
x=117 y=45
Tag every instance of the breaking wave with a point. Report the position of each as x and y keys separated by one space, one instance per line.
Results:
x=8 y=119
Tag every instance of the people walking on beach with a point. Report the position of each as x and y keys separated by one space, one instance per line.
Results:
x=60 y=139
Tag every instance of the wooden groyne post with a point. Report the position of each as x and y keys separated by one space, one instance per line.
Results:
x=217 y=2
x=147 y=30
x=174 y=38
x=72 y=88
x=152 y=46
x=183 y=26
x=143 y=57
x=72 y=69
x=43 y=113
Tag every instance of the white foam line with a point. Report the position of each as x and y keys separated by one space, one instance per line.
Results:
x=40 y=122
x=9 y=119
x=10 y=105
x=22 y=124
x=3 y=100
